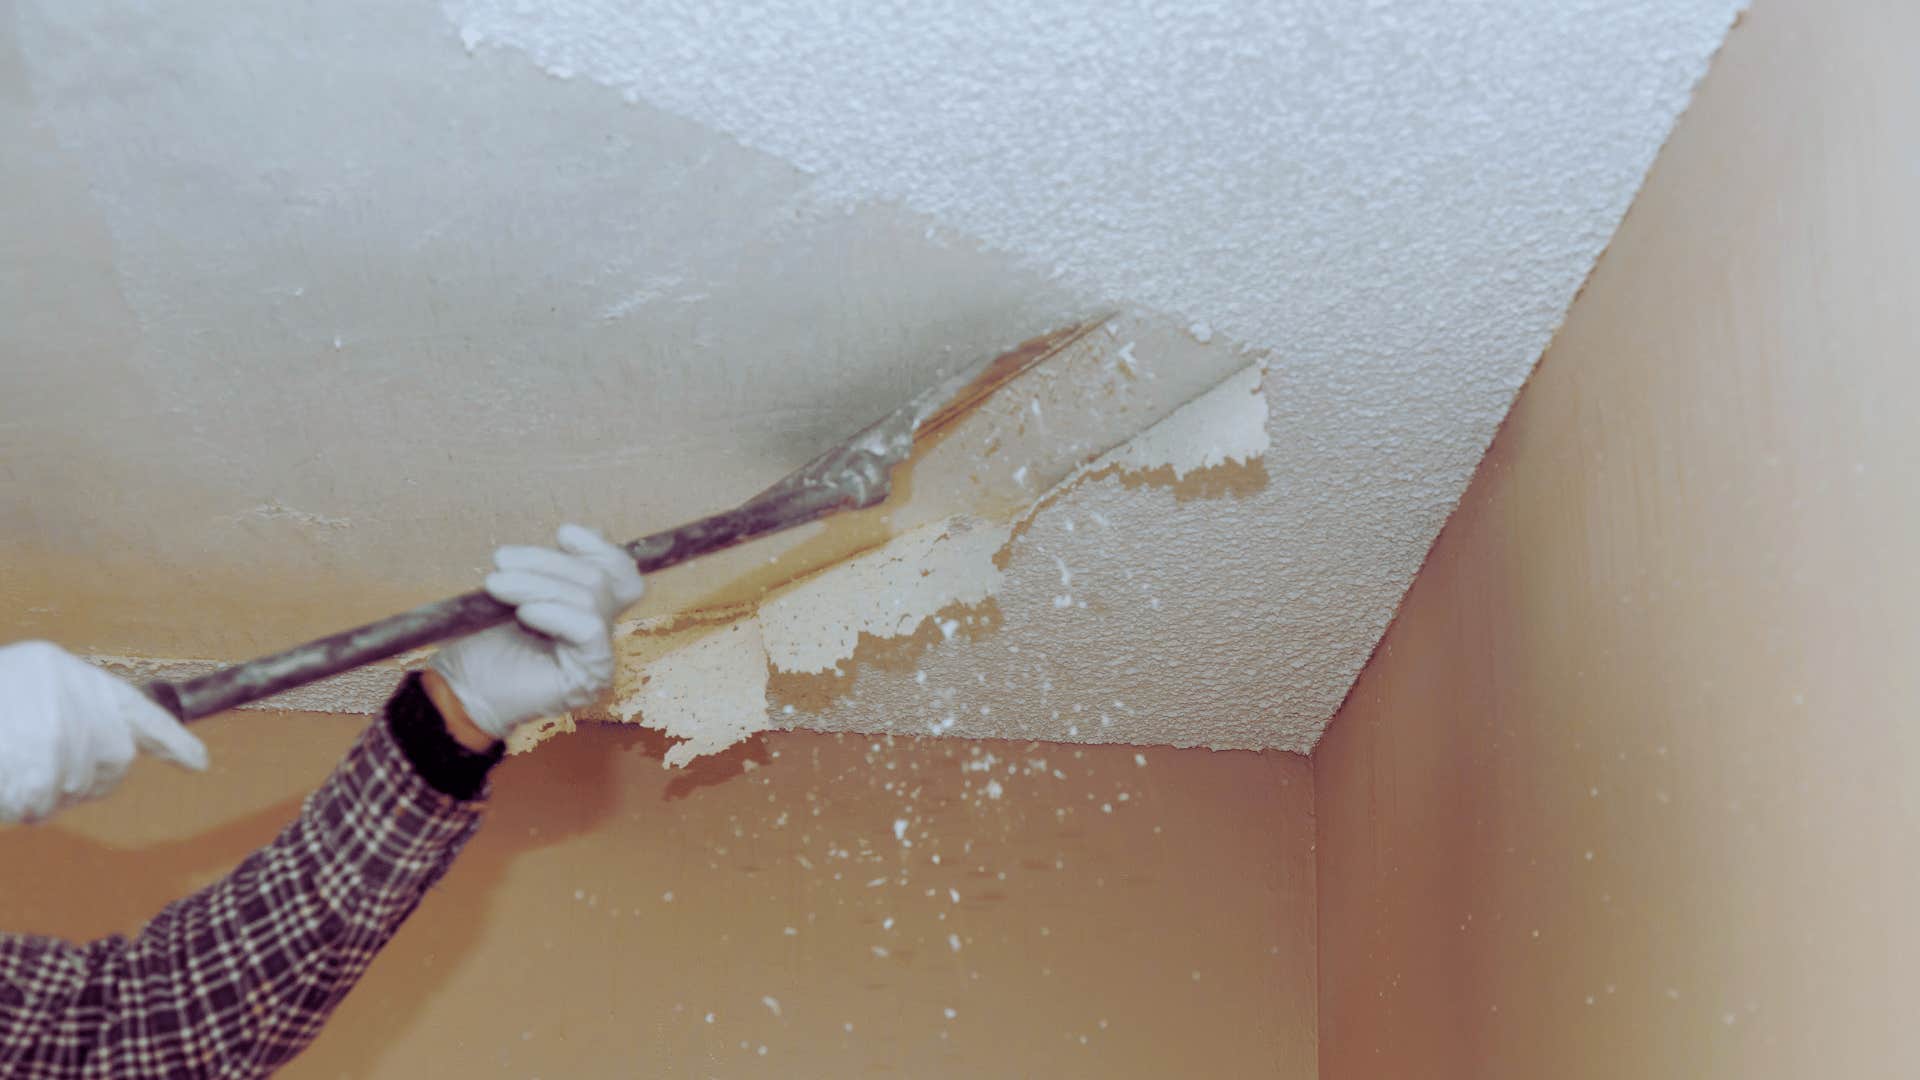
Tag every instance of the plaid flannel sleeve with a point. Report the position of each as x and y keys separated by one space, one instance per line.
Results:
x=238 y=978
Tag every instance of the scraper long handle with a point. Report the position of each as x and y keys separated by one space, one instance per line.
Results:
x=777 y=509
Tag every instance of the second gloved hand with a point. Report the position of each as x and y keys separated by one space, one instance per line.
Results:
x=69 y=731
x=559 y=655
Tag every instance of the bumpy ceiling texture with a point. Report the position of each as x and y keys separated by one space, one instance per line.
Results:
x=305 y=308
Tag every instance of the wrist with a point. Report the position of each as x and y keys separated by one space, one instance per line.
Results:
x=421 y=730
x=460 y=726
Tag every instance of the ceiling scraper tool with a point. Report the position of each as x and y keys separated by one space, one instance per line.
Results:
x=856 y=474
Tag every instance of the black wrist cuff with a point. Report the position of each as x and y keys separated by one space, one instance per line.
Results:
x=437 y=756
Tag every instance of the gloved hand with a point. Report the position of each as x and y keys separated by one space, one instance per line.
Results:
x=69 y=731
x=560 y=654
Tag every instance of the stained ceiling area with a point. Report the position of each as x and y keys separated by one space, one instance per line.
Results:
x=303 y=309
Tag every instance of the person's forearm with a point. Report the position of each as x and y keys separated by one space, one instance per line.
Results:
x=238 y=978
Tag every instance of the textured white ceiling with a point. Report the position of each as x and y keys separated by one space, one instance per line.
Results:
x=305 y=308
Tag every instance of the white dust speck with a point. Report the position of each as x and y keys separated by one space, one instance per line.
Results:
x=772 y=1004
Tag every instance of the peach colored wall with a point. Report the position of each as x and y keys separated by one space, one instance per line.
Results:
x=1162 y=913
x=1630 y=787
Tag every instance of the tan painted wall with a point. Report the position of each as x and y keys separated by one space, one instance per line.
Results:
x=1173 y=933
x=1630 y=788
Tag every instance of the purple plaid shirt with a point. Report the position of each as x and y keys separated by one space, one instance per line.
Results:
x=236 y=979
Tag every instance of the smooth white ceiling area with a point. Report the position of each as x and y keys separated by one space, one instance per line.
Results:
x=304 y=309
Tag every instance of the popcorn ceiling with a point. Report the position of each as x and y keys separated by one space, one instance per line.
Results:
x=1356 y=184
x=1396 y=201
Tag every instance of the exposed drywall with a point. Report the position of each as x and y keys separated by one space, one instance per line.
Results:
x=1226 y=426
x=295 y=351
x=886 y=592
x=707 y=685
x=619 y=906
x=708 y=689
x=1629 y=790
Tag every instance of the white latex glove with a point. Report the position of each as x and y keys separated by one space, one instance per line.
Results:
x=69 y=731
x=560 y=654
